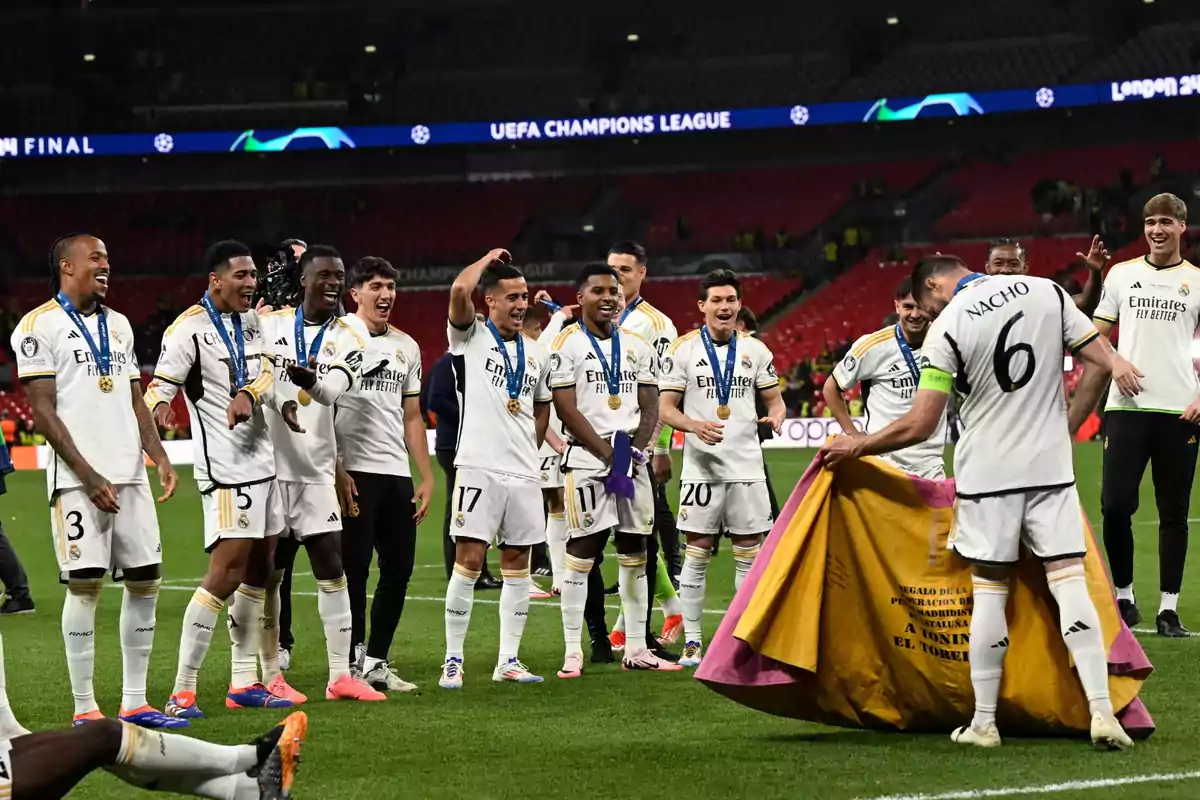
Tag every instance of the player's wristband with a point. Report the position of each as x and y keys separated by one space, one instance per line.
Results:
x=662 y=446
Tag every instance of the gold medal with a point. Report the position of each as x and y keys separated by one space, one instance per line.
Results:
x=304 y=398
x=106 y=384
x=353 y=510
x=514 y=406
x=614 y=401
x=722 y=412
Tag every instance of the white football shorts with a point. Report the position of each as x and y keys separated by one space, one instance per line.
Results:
x=497 y=508
x=309 y=509
x=550 y=468
x=990 y=530
x=590 y=508
x=243 y=512
x=742 y=508
x=87 y=538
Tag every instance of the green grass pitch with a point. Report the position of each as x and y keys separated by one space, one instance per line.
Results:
x=610 y=734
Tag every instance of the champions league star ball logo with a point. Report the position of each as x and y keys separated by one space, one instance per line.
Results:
x=799 y=115
x=420 y=134
x=163 y=143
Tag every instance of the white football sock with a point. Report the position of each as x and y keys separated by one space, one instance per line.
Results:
x=460 y=598
x=691 y=590
x=159 y=753
x=333 y=606
x=1169 y=602
x=268 y=648
x=631 y=585
x=514 y=611
x=556 y=542
x=9 y=727
x=1080 y=625
x=79 y=636
x=574 y=599
x=245 y=632
x=199 y=619
x=620 y=623
x=743 y=560
x=225 y=787
x=1125 y=593
x=672 y=606
x=137 y=640
x=988 y=647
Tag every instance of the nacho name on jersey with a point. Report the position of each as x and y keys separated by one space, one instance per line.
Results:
x=983 y=306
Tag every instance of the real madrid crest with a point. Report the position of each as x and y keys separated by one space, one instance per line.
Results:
x=74 y=553
x=683 y=514
x=328 y=351
x=460 y=520
x=588 y=520
x=400 y=356
x=631 y=357
x=746 y=362
x=243 y=521
x=1184 y=289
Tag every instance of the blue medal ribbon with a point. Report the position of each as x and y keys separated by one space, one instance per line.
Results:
x=101 y=353
x=514 y=376
x=237 y=357
x=550 y=304
x=906 y=351
x=974 y=276
x=629 y=310
x=724 y=382
x=612 y=370
x=303 y=356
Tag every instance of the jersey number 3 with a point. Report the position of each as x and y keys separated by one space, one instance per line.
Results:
x=1004 y=354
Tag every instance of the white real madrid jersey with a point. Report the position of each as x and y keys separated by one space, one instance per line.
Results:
x=687 y=368
x=308 y=457
x=97 y=412
x=489 y=437
x=369 y=419
x=888 y=389
x=1157 y=309
x=574 y=363
x=1004 y=338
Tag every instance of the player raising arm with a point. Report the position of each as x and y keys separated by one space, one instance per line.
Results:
x=887 y=363
x=708 y=383
x=998 y=341
x=1008 y=257
x=505 y=407
x=605 y=394
x=76 y=358
x=214 y=353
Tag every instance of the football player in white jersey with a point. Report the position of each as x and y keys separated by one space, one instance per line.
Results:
x=1152 y=300
x=505 y=407
x=550 y=458
x=76 y=359
x=708 y=382
x=214 y=352
x=998 y=341
x=887 y=363
x=639 y=316
x=49 y=764
x=317 y=357
x=379 y=427
x=606 y=395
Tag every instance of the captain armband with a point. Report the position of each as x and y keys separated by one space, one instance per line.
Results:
x=936 y=380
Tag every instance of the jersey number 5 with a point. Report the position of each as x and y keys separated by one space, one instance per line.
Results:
x=1003 y=355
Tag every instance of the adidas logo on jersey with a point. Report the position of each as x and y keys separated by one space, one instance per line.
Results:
x=1077 y=627
x=74 y=335
x=702 y=362
x=332 y=517
x=590 y=357
x=894 y=368
x=1136 y=285
x=282 y=340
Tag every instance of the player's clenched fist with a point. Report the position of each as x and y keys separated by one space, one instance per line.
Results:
x=241 y=408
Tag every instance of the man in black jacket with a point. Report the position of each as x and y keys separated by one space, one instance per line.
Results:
x=16 y=584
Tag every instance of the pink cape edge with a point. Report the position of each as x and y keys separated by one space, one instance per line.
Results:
x=731 y=662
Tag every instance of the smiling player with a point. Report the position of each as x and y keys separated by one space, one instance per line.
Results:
x=708 y=383
x=76 y=359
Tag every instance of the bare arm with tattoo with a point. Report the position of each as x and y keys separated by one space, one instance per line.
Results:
x=648 y=424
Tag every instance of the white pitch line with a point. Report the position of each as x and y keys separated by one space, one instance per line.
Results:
x=1155 y=631
x=1068 y=786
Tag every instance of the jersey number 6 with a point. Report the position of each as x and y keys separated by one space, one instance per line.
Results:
x=1002 y=358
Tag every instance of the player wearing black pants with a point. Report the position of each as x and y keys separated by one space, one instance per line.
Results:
x=1153 y=301
x=384 y=525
